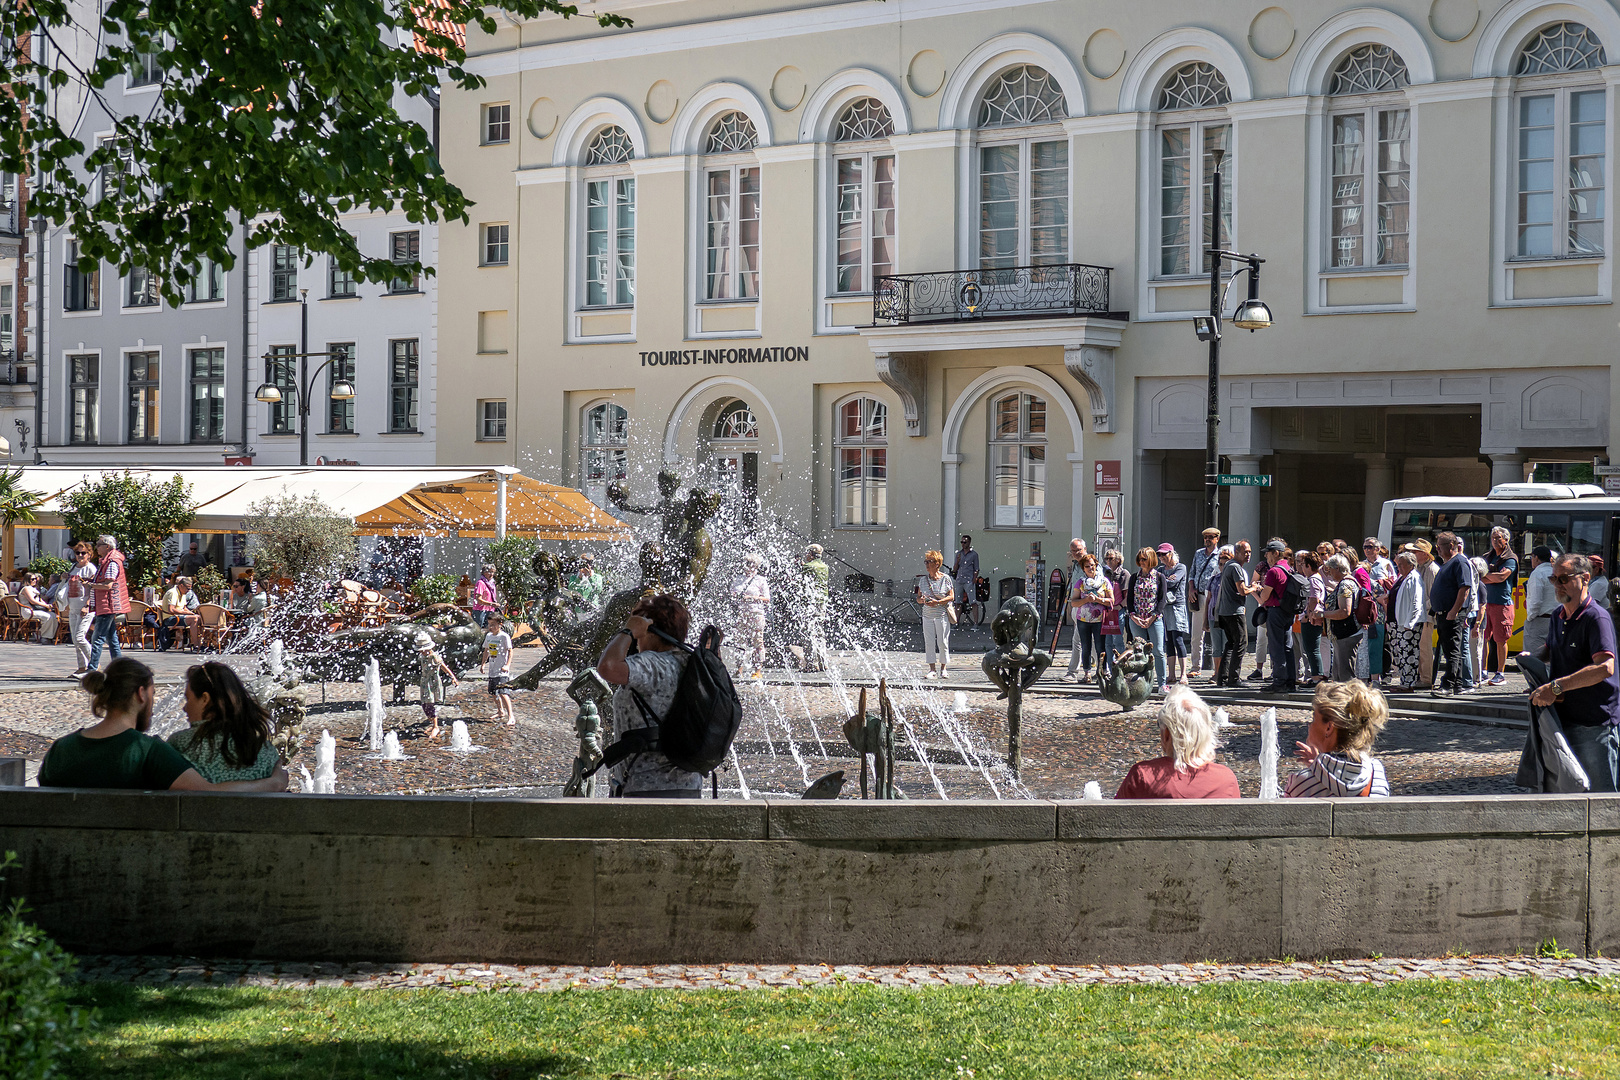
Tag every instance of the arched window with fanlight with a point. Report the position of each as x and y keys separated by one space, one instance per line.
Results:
x=1023 y=170
x=610 y=220
x=1018 y=460
x=604 y=449
x=734 y=449
x=1370 y=176
x=1560 y=105
x=864 y=210
x=1192 y=124
x=731 y=217
x=861 y=439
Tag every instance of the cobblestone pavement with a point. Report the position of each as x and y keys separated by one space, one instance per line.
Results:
x=178 y=971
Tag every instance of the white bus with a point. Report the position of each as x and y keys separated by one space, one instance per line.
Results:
x=1577 y=518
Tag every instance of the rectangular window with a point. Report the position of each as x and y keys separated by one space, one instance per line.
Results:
x=496 y=245
x=81 y=283
x=140 y=288
x=114 y=173
x=1023 y=204
x=1185 y=182
x=281 y=371
x=402 y=386
x=340 y=414
x=144 y=70
x=1561 y=174
x=492 y=421
x=865 y=221
x=610 y=242
x=5 y=319
x=143 y=397
x=207 y=395
x=1357 y=239
x=339 y=282
x=497 y=123
x=732 y=236
x=84 y=384
x=283 y=272
x=209 y=284
x=404 y=248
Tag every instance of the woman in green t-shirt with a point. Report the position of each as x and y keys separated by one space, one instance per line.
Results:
x=117 y=752
x=229 y=736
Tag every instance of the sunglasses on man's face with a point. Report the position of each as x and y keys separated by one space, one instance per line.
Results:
x=1565 y=579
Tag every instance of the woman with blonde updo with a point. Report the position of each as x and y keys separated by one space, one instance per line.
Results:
x=1345 y=719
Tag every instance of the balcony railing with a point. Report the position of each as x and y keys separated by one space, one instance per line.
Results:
x=960 y=295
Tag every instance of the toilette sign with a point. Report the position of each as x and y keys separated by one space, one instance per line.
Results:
x=770 y=354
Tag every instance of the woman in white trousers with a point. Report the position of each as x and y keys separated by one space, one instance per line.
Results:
x=81 y=608
x=934 y=595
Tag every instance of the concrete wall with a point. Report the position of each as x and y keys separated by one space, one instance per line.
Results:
x=565 y=881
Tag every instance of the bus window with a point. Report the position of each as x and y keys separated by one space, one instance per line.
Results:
x=1409 y=525
x=1472 y=528
x=1586 y=534
x=1549 y=529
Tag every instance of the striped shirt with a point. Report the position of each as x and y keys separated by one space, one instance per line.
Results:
x=1332 y=777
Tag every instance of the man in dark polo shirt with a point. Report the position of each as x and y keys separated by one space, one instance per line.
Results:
x=1447 y=600
x=1580 y=659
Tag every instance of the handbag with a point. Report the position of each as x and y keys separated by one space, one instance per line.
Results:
x=1110 y=622
x=1366 y=609
x=950 y=612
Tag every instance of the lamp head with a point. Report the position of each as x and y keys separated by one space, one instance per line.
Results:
x=269 y=393
x=1252 y=315
x=1206 y=328
x=343 y=390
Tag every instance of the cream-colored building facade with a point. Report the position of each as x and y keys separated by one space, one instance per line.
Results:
x=677 y=228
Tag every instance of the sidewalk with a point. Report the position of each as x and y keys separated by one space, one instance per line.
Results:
x=470 y=978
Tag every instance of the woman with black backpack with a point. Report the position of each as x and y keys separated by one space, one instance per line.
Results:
x=1342 y=593
x=641 y=661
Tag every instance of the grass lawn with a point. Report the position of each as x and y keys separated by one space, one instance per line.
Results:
x=1441 y=1029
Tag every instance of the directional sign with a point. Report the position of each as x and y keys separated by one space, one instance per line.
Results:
x=1243 y=480
x=1108 y=515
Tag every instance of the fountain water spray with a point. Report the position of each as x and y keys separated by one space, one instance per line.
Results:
x=1268 y=755
x=374 y=706
x=326 y=765
x=391 y=750
x=959 y=702
x=460 y=741
x=1093 y=792
x=276 y=659
x=306 y=781
x=1222 y=720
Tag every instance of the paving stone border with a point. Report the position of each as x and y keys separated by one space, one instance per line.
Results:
x=469 y=978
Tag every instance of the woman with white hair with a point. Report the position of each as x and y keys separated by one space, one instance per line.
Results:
x=1342 y=593
x=753 y=596
x=1188 y=769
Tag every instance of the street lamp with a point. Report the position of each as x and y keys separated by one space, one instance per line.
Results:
x=270 y=393
x=1251 y=315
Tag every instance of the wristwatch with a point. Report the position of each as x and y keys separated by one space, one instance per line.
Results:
x=1558 y=690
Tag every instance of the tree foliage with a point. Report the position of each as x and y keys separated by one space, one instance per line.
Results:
x=299 y=537
x=280 y=114
x=515 y=578
x=143 y=515
x=434 y=589
x=17 y=503
x=37 y=1025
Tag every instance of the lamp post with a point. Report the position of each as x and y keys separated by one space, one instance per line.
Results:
x=270 y=393
x=1251 y=315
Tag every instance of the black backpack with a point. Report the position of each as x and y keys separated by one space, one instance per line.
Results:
x=1294 y=590
x=695 y=733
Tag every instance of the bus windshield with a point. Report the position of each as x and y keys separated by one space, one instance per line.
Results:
x=1581 y=534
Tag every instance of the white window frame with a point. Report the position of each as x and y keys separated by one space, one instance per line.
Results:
x=863 y=444
x=868 y=153
x=1507 y=262
x=1561 y=88
x=485 y=419
x=153 y=288
x=128 y=385
x=1369 y=108
x=734 y=165
x=486 y=124
x=203 y=269
x=1024 y=438
x=94 y=412
x=487 y=243
x=1197 y=122
x=71 y=245
x=608 y=446
x=1024 y=139
x=191 y=382
x=613 y=176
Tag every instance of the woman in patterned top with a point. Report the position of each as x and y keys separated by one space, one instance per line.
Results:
x=1345 y=719
x=641 y=661
x=229 y=736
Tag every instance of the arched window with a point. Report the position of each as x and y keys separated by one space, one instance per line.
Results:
x=611 y=146
x=863 y=212
x=1562 y=168
x=610 y=221
x=1189 y=133
x=1018 y=460
x=864 y=118
x=1370 y=185
x=731 y=238
x=736 y=423
x=604 y=450
x=1023 y=182
x=862 y=440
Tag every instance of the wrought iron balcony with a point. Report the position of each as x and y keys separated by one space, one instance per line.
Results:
x=1009 y=292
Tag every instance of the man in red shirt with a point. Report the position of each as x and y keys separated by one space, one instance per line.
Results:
x=111 y=592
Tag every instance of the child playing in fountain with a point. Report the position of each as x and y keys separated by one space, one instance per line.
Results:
x=497 y=659
x=431 y=666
